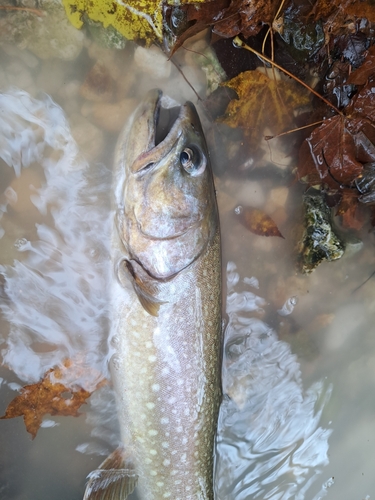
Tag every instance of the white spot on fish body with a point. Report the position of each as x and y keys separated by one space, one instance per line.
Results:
x=165 y=444
x=166 y=463
x=155 y=387
x=166 y=494
x=148 y=344
x=153 y=432
x=178 y=481
x=150 y=405
x=153 y=473
x=152 y=358
x=160 y=484
x=164 y=420
x=153 y=452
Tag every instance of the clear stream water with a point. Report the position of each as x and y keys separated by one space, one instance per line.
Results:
x=298 y=416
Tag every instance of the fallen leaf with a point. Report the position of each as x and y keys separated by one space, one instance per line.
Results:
x=226 y=18
x=49 y=396
x=181 y=22
x=335 y=153
x=337 y=13
x=366 y=70
x=257 y=221
x=328 y=156
x=247 y=17
x=262 y=102
x=350 y=210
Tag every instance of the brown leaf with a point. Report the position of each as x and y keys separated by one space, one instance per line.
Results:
x=336 y=151
x=337 y=13
x=328 y=156
x=262 y=102
x=257 y=221
x=366 y=70
x=47 y=396
x=350 y=210
x=184 y=21
x=247 y=17
x=227 y=18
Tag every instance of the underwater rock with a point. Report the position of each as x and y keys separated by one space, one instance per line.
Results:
x=207 y=60
x=108 y=116
x=98 y=84
x=153 y=61
x=319 y=241
x=108 y=37
x=48 y=34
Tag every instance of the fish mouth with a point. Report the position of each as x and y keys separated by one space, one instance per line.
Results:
x=166 y=119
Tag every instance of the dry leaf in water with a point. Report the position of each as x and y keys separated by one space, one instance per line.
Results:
x=49 y=396
x=366 y=70
x=336 y=151
x=257 y=221
x=262 y=102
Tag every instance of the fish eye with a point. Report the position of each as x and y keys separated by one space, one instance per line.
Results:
x=192 y=160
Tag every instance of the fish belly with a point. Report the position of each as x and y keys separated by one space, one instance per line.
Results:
x=167 y=379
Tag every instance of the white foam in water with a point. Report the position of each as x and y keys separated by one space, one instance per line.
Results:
x=57 y=286
x=270 y=444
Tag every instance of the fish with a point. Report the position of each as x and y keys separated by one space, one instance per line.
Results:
x=166 y=309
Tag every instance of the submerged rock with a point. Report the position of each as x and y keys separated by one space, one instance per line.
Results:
x=43 y=29
x=108 y=37
x=319 y=241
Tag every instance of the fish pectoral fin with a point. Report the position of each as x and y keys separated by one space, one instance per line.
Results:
x=115 y=479
x=144 y=286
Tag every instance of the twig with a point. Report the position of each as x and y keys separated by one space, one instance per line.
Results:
x=242 y=45
x=269 y=137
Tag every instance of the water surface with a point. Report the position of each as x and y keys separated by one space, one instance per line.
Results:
x=297 y=420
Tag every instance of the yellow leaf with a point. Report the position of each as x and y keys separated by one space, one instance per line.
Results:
x=49 y=395
x=263 y=102
x=135 y=20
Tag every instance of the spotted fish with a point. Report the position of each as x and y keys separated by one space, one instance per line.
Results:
x=166 y=323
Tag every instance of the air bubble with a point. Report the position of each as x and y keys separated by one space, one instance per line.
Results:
x=116 y=362
x=238 y=210
x=21 y=244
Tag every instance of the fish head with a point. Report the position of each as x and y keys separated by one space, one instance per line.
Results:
x=167 y=209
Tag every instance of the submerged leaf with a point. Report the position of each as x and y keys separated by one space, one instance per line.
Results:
x=257 y=221
x=262 y=101
x=248 y=18
x=366 y=70
x=335 y=153
x=47 y=396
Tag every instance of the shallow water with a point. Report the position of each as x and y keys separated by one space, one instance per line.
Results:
x=297 y=418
